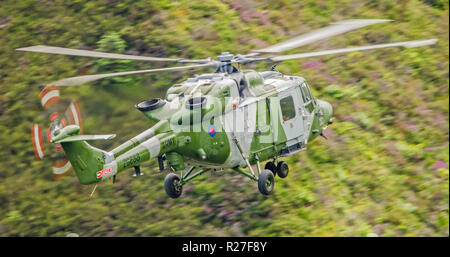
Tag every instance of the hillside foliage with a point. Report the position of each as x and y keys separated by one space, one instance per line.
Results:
x=384 y=170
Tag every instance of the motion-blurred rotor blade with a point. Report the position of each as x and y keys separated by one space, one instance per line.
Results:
x=87 y=53
x=408 y=44
x=74 y=81
x=326 y=32
x=250 y=55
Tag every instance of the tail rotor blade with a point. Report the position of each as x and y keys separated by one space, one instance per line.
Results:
x=38 y=143
x=49 y=96
x=61 y=168
x=74 y=115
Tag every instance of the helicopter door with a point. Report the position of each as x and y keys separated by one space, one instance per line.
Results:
x=290 y=117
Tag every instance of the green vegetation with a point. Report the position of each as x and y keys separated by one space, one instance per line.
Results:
x=383 y=170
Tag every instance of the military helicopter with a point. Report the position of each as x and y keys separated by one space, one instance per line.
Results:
x=230 y=119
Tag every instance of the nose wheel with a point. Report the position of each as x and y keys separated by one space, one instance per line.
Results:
x=266 y=182
x=173 y=186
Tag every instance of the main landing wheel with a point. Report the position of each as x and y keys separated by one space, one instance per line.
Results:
x=282 y=169
x=272 y=167
x=172 y=185
x=266 y=182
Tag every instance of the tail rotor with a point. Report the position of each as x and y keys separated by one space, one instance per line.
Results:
x=41 y=135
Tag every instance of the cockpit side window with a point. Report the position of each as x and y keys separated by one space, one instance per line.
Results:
x=308 y=99
x=309 y=92
x=306 y=93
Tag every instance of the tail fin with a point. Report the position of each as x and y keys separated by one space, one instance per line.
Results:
x=86 y=160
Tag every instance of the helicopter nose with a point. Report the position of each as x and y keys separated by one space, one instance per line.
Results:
x=327 y=110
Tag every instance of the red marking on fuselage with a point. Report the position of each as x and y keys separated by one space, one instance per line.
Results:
x=104 y=172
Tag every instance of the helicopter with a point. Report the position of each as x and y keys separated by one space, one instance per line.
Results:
x=230 y=119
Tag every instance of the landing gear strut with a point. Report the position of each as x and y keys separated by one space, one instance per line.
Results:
x=173 y=184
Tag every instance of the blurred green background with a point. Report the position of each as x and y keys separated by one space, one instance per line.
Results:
x=382 y=172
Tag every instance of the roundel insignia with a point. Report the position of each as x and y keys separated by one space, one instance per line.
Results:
x=212 y=130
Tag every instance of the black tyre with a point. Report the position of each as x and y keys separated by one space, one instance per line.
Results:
x=266 y=182
x=282 y=169
x=272 y=167
x=172 y=185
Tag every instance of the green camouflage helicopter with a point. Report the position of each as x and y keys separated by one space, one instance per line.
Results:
x=227 y=120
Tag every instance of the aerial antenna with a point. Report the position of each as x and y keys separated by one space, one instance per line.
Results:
x=273 y=67
x=92 y=194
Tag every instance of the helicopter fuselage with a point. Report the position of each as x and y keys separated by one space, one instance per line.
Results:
x=268 y=113
x=213 y=121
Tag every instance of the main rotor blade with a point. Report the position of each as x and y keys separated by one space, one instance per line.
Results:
x=87 y=53
x=326 y=32
x=408 y=44
x=74 y=81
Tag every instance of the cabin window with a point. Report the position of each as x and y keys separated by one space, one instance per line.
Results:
x=287 y=108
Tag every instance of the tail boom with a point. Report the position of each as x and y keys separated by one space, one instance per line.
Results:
x=149 y=149
x=94 y=165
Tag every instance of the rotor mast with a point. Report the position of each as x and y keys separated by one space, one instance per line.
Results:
x=225 y=61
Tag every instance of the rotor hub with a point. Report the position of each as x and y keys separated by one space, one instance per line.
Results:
x=225 y=57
